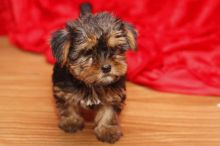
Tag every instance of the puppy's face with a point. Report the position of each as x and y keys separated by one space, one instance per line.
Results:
x=93 y=48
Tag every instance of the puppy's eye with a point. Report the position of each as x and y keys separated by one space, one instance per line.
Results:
x=88 y=52
x=122 y=50
x=119 y=50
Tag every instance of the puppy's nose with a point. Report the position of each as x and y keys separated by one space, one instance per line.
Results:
x=106 y=68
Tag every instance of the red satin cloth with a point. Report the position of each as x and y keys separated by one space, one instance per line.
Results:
x=179 y=41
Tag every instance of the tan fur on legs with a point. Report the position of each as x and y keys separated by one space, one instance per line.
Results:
x=68 y=110
x=71 y=123
x=107 y=128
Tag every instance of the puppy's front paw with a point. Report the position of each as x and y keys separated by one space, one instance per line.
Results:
x=108 y=133
x=71 y=124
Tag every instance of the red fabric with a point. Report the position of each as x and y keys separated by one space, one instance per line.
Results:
x=179 y=41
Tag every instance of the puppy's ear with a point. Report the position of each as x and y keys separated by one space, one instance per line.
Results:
x=131 y=35
x=60 y=44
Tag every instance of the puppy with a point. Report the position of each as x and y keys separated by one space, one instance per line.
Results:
x=90 y=71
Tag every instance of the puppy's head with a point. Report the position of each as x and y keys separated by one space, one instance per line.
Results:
x=93 y=47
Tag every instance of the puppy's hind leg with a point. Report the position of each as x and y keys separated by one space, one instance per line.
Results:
x=68 y=111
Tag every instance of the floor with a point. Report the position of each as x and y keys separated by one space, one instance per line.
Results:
x=150 y=118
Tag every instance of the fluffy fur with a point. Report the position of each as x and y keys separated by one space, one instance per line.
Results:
x=90 y=71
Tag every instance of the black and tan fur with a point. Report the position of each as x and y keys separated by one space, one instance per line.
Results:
x=90 y=71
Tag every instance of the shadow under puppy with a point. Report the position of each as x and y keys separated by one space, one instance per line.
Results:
x=90 y=71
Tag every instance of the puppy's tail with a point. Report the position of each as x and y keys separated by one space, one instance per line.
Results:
x=85 y=8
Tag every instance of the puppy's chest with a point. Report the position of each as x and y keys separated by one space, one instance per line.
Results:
x=91 y=97
x=101 y=95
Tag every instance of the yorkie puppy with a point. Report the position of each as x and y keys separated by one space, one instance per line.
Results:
x=90 y=71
